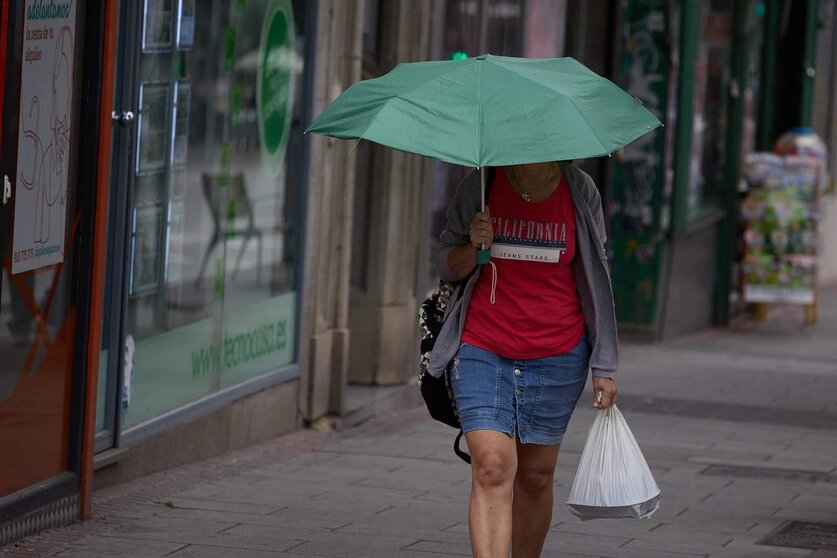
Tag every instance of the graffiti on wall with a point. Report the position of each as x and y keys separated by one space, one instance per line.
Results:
x=639 y=169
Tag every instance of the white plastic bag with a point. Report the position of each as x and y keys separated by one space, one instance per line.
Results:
x=613 y=479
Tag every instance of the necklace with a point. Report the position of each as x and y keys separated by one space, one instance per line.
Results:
x=527 y=193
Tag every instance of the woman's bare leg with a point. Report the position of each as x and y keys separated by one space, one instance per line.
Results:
x=532 y=498
x=493 y=465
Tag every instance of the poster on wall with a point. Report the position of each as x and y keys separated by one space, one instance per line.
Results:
x=157 y=25
x=151 y=127
x=145 y=247
x=43 y=152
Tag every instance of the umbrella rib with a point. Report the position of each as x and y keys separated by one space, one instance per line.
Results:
x=592 y=130
x=481 y=119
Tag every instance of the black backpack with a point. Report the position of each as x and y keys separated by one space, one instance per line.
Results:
x=437 y=392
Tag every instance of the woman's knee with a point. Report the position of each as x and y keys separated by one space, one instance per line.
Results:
x=494 y=468
x=534 y=480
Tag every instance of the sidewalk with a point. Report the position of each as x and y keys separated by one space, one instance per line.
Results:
x=739 y=426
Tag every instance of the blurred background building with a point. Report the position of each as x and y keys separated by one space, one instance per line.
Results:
x=224 y=278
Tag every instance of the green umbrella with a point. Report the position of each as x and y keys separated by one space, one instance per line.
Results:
x=490 y=111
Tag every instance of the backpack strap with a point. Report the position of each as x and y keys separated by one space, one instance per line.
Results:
x=458 y=451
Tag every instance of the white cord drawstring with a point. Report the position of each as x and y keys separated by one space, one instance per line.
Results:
x=493 y=280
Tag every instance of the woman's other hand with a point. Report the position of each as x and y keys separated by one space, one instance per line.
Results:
x=481 y=231
x=607 y=388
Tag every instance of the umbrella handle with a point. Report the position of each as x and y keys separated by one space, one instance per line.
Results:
x=483 y=254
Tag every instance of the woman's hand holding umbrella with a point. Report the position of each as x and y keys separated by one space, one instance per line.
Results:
x=463 y=259
x=482 y=233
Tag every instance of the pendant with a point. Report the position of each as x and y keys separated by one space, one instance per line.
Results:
x=526 y=196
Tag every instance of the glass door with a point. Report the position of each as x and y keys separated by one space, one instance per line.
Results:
x=124 y=119
x=207 y=203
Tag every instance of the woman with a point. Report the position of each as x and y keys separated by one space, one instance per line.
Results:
x=522 y=337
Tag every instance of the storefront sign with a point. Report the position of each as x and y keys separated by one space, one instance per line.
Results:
x=43 y=154
x=180 y=366
x=275 y=81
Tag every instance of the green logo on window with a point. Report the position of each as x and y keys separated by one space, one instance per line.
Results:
x=275 y=90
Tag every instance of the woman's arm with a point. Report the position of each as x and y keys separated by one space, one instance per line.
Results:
x=462 y=260
x=456 y=254
x=604 y=382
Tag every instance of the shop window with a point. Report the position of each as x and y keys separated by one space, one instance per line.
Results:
x=216 y=207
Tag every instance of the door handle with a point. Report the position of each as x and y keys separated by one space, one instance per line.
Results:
x=124 y=119
x=7 y=189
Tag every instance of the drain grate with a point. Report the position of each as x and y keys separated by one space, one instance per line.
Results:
x=803 y=534
x=743 y=472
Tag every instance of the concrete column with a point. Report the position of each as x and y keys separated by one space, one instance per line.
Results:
x=383 y=309
x=324 y=328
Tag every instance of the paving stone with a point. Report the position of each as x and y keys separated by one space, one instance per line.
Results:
x=748 y=543
x=202 y=551
x=761 y=552
x=330 y=543
x=403 y=520
x=150 y=528
x=817 y=463
x=644 y=553
x=813 y=503
x=119 y=546
x=85 y=553
x=725 y=519
x=209 y=505
x=798 y=514
x=674 y=547
x=444 y=548
x=558 y=540
x=624 y=529
x=281 y=539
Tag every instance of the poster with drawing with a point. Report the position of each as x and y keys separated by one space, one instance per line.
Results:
x=43 y=152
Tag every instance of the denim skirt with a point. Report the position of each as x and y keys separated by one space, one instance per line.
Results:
x=534 y=398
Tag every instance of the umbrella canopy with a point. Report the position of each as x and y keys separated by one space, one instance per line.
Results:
x=490 y=111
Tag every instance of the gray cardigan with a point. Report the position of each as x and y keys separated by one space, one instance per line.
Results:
x=590 y=266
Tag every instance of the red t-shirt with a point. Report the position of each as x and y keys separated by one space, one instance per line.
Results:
x=536 y=312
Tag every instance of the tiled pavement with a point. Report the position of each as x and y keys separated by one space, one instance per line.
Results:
x=739 y=426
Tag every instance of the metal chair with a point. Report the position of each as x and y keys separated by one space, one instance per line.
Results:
x=238 y=207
